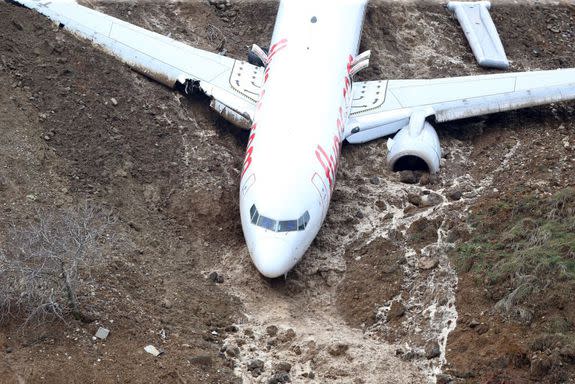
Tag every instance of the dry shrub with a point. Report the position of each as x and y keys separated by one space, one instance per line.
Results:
x=43 y=265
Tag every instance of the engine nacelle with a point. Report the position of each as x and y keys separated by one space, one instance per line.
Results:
x=415 y=147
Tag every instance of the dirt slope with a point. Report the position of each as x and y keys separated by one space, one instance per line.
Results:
x=380 y=280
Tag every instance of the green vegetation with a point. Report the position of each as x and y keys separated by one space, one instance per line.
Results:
x=524 y=248
x=523 y=237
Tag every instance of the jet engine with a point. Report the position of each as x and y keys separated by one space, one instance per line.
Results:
x=415 y=146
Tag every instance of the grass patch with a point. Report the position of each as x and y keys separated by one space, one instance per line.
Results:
x=524 y=244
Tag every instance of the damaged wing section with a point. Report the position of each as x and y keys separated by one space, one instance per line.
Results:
x=481 y=32
x=161 y=58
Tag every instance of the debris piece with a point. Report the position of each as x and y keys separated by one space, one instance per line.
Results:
x=152 y=350
x=481 y=32
x=114 y=101
x=102 y=333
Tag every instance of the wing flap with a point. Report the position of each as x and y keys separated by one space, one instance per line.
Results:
x=451 y=99
x=456 y=98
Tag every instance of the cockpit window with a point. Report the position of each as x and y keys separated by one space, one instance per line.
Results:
x=277 y=225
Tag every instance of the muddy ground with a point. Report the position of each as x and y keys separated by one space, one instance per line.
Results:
x=383 y=285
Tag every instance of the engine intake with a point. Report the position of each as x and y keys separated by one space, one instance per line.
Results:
x=415 y=147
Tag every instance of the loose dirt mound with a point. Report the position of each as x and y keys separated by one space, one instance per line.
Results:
x=374 y=298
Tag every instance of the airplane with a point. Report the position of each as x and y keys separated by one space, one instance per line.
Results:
x=300 y=102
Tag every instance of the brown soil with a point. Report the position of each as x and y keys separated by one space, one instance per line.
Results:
x=168 y=168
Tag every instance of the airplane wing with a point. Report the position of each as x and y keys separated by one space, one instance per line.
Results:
x=381 y=108
x=233 y=85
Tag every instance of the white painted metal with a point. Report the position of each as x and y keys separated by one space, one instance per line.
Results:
x=302 y=107
x=296 y=140
x=457 y=98
x=158 y=57
x=481 y=32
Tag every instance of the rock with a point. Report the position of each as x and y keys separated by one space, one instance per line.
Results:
x=232 y=351
x=337 y=349
x=256 y=367
x=47 y=138
x=424 y=179
x=432 y=350
x=374 y=180
x=216 y=277
x=281 y=377
x=282 y=366
x=114 y=101
x=232 y=328
x=407 y=177
x=287 y=336
x=396 y=310
x=166 y=303
x=433 y=179
x=414 y=199
x=297 y=350
x=463 y=374
x=443 y=379
x=18 y=25
x=473 y=323
x=102 y=333
x=455 y=195
x=540 y=365
x=202 y=360
x=554 y=28
x=359 y=214
x=272 y=330
x=152 y=350
x=481 y=329
x=427 y=263
x=8 y=350
x=431 y=200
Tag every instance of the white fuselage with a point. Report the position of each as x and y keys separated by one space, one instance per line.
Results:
x=294 y=145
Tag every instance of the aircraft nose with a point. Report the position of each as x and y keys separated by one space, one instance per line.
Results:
x=272 y=256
